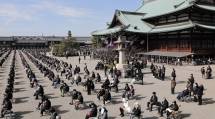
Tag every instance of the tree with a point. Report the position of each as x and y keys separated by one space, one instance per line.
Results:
x=68 y=44
x=97 y=42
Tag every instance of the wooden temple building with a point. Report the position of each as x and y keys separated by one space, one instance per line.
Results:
x=167 y=27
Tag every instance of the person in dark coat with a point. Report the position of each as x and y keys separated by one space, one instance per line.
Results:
x=173 y=74
x=106 y=96
x=92 y=112
x=45 y=106
x=98 y=77
x=106 y=84
x=172 y=108
x=153 y=101
x=200 y=93
x=74 y=95
x=90 y=86
x=173 y=85
x=163 y=106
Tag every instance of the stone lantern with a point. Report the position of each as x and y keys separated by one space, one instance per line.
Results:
x=121 y=47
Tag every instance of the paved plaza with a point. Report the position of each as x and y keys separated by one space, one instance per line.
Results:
x=25 y=105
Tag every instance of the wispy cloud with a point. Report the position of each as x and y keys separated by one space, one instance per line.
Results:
x=59 y=9
x=15 y=12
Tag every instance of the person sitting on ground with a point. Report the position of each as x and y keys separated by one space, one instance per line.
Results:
x=78 y=80
x=39 y=92
x=127 y=88
x=46 y=105
x=41 y=102
x=80 y=100
x=127 y=91
x=98 y=77
x=69 y=74
x=54 y=114
x=74 y=95
x=56 y=81
x=136 y=111
x=64 y=89
x=172 y=108
x=92 y=112
x=103 y=113
x=153 y=101
x=163 y=106
x=100 y=93
x=106 y=96
x=115 y=83
x=106 y=84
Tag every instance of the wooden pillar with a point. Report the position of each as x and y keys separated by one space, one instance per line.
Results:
x=178 y=41
x=167 y=41
x=191 y=40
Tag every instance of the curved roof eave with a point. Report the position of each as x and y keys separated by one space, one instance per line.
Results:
x=163 y=7
x=205 y=7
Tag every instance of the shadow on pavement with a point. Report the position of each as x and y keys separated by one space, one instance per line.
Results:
x=206 y=101
x=21 y=100
x=20 y=114
x=185 y=115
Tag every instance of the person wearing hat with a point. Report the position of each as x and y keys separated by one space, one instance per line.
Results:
x=172 y=108
x=153 y=101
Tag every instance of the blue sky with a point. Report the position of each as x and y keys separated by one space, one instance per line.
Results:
x=56 y=17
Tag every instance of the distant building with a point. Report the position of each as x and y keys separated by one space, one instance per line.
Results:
x=37 y=41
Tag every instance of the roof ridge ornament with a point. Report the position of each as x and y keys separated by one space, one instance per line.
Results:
x=178 y=5
x=147 y=1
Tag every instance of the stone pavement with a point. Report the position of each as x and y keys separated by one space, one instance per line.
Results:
x=25 y=104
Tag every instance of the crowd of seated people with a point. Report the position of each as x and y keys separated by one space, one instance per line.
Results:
x=163 y=106
x=4 y=58
x=45 y=104
x=8 y=94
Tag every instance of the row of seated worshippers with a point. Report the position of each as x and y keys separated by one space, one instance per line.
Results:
x=8 y=94
x=4 y=58
x=45 y=104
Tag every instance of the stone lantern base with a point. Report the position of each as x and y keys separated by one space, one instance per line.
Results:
x=122 y=68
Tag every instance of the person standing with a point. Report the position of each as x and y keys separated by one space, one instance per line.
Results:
x=203 y=72
x=173 y=85
x=105 y=70
x=79 y=59
x=173 y=74
x=163 y=70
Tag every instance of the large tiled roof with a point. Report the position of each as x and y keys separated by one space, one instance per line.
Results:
x=162 y=7
x=136 y=21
